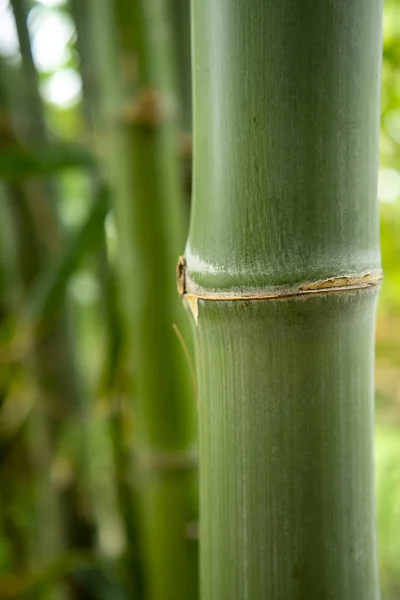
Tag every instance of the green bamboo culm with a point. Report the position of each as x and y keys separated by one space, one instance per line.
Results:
x=143 y=166
x=281 y=274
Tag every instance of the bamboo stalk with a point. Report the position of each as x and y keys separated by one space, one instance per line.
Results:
x=281 y=273
x=115 y=339
x=144 y=170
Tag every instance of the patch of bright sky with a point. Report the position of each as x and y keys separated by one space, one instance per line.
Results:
x=63 y=88
x=8 y=33
x=389 y=185
x=51 y=31
x=51 y=3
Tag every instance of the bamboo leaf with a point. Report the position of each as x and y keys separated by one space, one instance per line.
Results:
x=19 y=162
x=48 y=294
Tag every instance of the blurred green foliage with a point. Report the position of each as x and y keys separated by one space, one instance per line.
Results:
x=388 y=322
x=79 y=275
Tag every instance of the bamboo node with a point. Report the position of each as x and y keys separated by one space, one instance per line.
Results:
x=369 y=278
x=191 y=299
x=147 y=109
x=193 y=304
x=191 y=293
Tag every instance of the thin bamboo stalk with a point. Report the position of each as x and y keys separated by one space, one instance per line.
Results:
x=144 y=171
x=282 y=272
x=115 y=340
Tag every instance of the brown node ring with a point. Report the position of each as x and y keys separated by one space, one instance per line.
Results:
x=340 y=283
x=147 y=109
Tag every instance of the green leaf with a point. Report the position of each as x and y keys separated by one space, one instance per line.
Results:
x=18 y=161
x=48 y=294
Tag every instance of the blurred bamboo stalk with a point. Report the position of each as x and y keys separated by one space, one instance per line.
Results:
x=110 y=384
x=140 y=148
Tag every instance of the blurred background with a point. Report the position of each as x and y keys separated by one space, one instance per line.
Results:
x=66 y=421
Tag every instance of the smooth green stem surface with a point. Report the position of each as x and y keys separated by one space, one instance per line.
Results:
x=286 y=436
x=286 y=130
x=286 y=133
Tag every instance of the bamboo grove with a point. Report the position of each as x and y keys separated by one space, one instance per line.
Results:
x=190 y=267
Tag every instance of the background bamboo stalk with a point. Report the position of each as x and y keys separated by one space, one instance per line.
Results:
x=114 y=362
x=144 y=172
x=286 y=115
